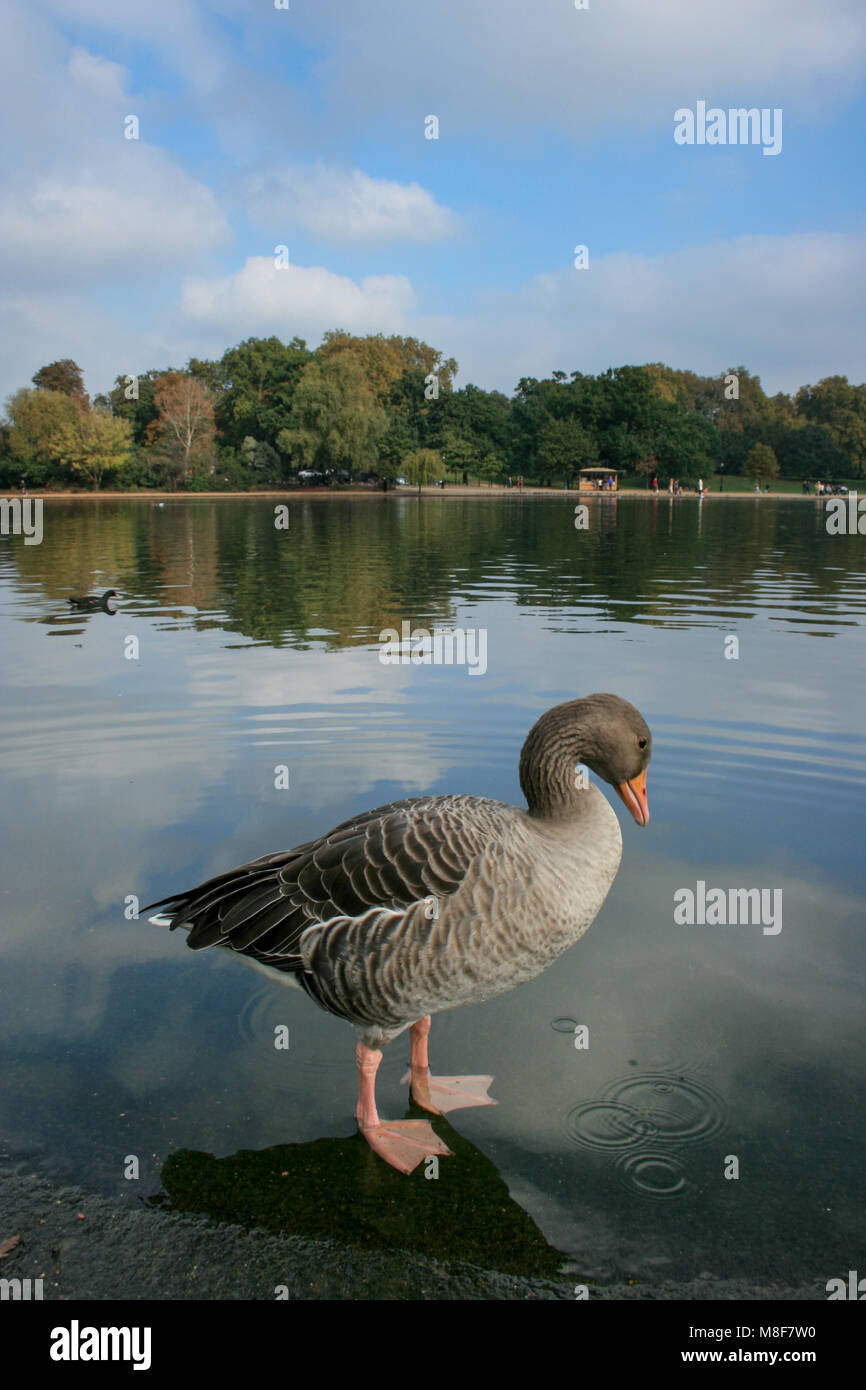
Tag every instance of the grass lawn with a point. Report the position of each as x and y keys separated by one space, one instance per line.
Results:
x=735 y=483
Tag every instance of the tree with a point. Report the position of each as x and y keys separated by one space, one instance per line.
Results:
x=841 y=409
x=422 y=466
x=64 y=376
x=762 y=463
x=253 y=386
x=410 y=380
x=564 y=447
x=459 y=455
x=482 y=419
x=686 y=444
x=131 y=399
x=34 y=420
x=183 y=430
x=92 y=444
x=384 y=360
x=336 y=421
x=490 y=468
x=808 y=451
x=394 y=445
x=261 y=460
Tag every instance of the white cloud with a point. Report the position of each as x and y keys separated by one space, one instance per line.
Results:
x=136 y=213
x=260 y=298
x=80 y=201
x=787 y=307
x=498 y=65
x=347 y=205
x=180 y=30
x=106 y=80
x=502 y=64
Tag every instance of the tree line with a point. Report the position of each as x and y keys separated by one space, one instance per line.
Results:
x=375 y=407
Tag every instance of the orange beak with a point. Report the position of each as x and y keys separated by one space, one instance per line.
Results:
x=633 y=793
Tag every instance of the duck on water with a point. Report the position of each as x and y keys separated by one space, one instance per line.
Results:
x=91 y=603
x=434 y=902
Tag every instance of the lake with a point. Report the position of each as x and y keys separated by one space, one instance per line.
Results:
x=708 y=1115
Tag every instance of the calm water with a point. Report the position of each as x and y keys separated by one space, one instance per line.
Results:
x=258 y=648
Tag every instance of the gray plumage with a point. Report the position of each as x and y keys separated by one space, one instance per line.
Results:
x=433 y=902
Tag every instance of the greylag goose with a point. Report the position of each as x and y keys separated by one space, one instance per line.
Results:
x=90 y=603
x=433 y=902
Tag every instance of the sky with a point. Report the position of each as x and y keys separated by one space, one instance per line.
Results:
x=305 y=127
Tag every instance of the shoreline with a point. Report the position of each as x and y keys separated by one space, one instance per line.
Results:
x=88 y=1247
x=455 y=490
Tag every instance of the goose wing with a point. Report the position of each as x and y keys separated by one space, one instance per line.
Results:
x=388 y=858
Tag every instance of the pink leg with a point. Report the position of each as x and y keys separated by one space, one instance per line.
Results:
x=419 y=1033
x=368 y=1064
x=439 y=1094
x=402 y=1143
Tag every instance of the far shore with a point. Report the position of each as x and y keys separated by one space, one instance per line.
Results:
x=451 y=490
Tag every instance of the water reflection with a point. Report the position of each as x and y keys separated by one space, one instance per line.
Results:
x=338 y=1189
x=346 y=569
x=257 y=648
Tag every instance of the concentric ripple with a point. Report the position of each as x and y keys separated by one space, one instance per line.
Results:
x=606 y=1125
x=656 y=1175
x=681 y=1109
x=638 y=1119
x=673 y=1109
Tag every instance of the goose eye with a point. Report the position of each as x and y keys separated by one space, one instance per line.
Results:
x=641 y=743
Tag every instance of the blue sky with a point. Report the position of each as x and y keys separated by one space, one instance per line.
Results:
x=304 y=127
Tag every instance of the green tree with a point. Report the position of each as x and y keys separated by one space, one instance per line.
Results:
x=490 y=468
x=564 y=447
x=92 y=444
x=458 y=454
x=35 y=418
x=685 y=444
x=336 y=422
x=481 y=417
x=762 y=463
x=422 y=466
x=385 y=360
x=131 y=398
x=262 y=461
x=397 y=441
x=808 y=451
x=841 y=409
x=253 y=386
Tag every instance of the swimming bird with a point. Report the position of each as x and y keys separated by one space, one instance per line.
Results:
x=434 y=902
x=89 y=603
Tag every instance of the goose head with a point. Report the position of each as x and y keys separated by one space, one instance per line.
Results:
x=605 y=734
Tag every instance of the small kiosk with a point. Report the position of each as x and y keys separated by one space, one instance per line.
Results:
x=598 y=479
